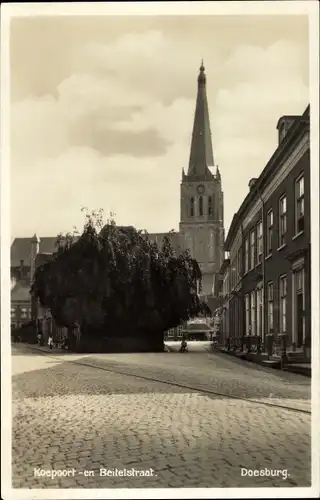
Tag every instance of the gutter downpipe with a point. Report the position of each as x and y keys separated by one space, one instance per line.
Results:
x=241 y=289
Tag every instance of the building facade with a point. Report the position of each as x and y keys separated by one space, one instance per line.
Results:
x=268 y=243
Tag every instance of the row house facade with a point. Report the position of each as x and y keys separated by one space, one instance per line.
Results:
x=268 y=245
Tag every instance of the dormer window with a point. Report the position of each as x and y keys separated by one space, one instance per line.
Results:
x=282 y=132
x=210 y=205
x=200 y=205
x=191 y=211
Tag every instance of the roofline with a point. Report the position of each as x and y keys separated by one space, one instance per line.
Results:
x=225 y=264
x=285 y=117
x=294 y=132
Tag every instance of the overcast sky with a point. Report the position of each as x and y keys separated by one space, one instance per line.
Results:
x=102 y=111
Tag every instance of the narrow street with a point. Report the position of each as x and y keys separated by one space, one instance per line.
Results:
x=156 y=420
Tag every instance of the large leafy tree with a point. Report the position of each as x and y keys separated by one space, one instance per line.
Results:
x=114 y=281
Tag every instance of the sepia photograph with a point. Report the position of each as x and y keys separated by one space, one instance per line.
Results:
x=160 y=250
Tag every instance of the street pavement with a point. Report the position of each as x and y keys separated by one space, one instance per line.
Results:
x=98 y=421
x=193 y=345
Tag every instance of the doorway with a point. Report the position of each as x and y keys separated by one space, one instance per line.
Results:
x=299 y=306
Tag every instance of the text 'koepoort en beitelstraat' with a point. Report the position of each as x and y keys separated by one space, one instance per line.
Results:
x=132 y=472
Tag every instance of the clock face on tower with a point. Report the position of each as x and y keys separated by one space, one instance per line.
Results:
x=200 y=189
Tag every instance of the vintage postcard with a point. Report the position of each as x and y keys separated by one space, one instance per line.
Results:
x=160 y=250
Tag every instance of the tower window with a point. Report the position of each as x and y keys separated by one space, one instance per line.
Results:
x=200 y=205
x=282 y=220
x=210 y=205
x=191 y=206
x=299 y=205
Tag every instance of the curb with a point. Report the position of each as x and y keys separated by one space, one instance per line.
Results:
x=306 y=372
x=45 y=350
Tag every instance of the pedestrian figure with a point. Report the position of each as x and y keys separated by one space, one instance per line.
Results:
x=50 y=341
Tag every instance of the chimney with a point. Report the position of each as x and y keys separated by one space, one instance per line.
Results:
x=35 y=245
x=284 y=124
x=252 y=182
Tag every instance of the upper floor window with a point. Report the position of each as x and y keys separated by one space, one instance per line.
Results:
x=246 y=255
x=269 y=231
x=200 y=205
x=239 y=266
x=298 y=280
x=252 y=249
x=24 y=312
x=13 y=312
x=210 y=205
x=259 y=242
x=282 y=220
x=282 y=132
x=270 y=307
x=191 y=208
x=253 y=313
x=299 y=205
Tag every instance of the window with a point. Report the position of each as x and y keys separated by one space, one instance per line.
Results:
x=253 y=312
x=259 y=242
x=13 y=312
x=24 y=312
x=210 y=205
x=29 y=311
x=282 y=220
x=247 y=305
x=269 y=231
x=246 y=261
x=200 y=205
x=259 y=311
x=270 y=307
x=283 y=304
x=191 y=207
x=252 y=249
x=299 y=205
x=282 y=132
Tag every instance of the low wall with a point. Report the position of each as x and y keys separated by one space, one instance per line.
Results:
x=124 y=344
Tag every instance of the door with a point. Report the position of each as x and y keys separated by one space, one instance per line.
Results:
x=299 y=319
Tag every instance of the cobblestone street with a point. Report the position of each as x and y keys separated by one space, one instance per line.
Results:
x=82 y=413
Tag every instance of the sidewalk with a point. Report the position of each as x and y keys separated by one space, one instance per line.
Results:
x=44 y=348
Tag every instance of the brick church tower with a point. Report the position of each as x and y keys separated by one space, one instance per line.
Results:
x=201 y=197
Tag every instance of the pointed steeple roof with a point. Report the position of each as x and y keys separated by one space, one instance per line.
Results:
x=201 y=154
x=218 y=175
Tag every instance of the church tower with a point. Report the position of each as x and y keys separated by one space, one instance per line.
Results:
x=201 y=197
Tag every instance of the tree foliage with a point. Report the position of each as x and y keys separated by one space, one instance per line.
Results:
x=114 y=281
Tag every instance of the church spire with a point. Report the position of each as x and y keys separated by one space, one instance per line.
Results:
x=201 y=155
